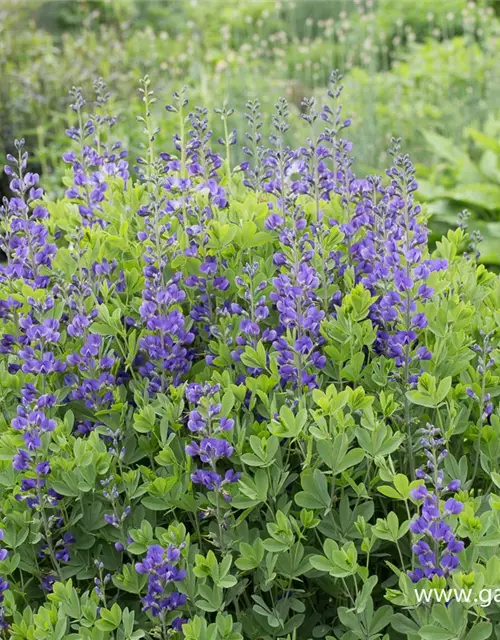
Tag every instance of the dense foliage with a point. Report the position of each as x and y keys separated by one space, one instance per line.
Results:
x=241 y=400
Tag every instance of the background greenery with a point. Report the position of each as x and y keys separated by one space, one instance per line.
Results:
x=424 y=71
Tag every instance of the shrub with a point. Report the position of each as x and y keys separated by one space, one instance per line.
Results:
x=241 y=401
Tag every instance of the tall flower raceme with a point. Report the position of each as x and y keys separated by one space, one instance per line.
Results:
x=114 y=488
x=208 y=292
x=355 y=220
x=322 y=182
x=437 y=547
x=93 y=383
x=81 y=309
x=295 y=296
x=395 y=267
x=334 y=124
x=162 y=598
x=254 y=167
x=32 y=461
x=194 y=177
x=85 y=290
x=168 y=339
x=209 y=427
x=375 y=241
x=403 y=263
x=321 y=168
x=296 y=287
x=279 y=164
x=91 y=374
x=230 y=137
x=39 y=335
x=93 y=377
x=192 y=180
x=251 y=311
x=167 y=343
x=24 y=238
x=202 y=162
x=329 y=175
x=101 y=581
x=32 y=422
x=192 y=171
x=95 y=162
x=33 y=334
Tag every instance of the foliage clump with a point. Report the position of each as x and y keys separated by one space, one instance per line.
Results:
x=241 y=401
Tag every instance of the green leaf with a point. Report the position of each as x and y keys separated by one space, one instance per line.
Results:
x=109 y=618
x=443 y=389
x=289 y=425
x=351 y=459
x=227 y=403
x=212 y=598
x=155 y=503
x=339 y=563
x=351 y=621
x=496 y=478
x=420 y=398
x=389 y=492
x=68 y=488
x=255 y=488
x=336 y=456
x=402 y=624
x=431 y=632
x=427 y=394
x=315 y=494
x=264 y=451
x=364 y=596
x=381 y=618
x=321 y=563
x=480 y=631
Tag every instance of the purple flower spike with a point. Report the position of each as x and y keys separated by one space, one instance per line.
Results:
x=160 y=565
x=437 y=548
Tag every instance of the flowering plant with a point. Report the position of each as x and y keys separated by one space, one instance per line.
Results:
x=214 y=381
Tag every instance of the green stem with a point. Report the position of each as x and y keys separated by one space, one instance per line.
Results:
x=401 y=557
x=228 y=152
x=48 y=538
x=218 y=516
x=481 y=410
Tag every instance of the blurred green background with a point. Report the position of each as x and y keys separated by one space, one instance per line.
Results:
x=425 y=71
